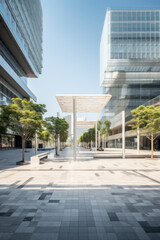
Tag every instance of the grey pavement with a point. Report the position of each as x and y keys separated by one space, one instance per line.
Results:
x=112 y=199
x=8 y=158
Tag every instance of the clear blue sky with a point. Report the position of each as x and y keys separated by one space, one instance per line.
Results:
x=71 y=37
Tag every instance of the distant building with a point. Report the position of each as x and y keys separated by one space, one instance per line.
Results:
x=20 y=52
x=69 y=119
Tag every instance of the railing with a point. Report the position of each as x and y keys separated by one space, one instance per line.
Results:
x=153 y=101
x=5 y=102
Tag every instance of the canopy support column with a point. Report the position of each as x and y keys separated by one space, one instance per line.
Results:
x=74 y=129
x=138 y=141
x=99 y=140
x=36 y=144
x=123 y=134
x=58 y=138
x=96 y=136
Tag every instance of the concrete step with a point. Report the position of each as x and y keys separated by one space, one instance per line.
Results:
x=126 y=156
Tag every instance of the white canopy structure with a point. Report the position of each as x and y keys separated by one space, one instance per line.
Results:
x=86 y=124
x=82 y=103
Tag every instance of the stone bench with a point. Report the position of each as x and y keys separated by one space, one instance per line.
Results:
x=35 y=160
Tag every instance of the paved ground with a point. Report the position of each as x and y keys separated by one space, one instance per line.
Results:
x=113 y=199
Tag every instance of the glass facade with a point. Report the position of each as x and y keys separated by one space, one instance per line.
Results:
x=135 y=34
x=6 y=94
x=25 y=18
x=7 y=141
x=20 y=53
x=21 y=24
x=130 y=59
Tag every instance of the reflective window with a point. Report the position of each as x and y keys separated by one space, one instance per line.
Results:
x=157 y=16
x=148 y=16
x=139 y=16
x=143 y=16
x=139 y=33
x=153 y=17
x=125 y=16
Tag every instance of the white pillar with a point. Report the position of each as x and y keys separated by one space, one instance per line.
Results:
x=58 y=139
x=103 y=141
x=96 y=136
x=36 y=144
x=115 y=143
x=138 y=141
x=99 y=139
x=74 y=128
x=123 y=134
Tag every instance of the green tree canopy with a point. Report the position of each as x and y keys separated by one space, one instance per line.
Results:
x=23 y=117
x=99 y=125
x=147 y=118
x=89 y=136
x=86 y=137
x=45 y=135
x=57 y=127
x=64 y=136
x=91 y=132
x=105 y=127
x=81 y=139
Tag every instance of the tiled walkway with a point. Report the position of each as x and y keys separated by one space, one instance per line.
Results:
x=86 y=200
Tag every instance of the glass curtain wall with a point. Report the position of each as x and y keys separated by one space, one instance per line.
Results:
x=135 y=34
x=131 y=51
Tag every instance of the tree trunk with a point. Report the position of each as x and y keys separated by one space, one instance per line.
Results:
x=23 y=147
x=152 y=146
x=56 y=145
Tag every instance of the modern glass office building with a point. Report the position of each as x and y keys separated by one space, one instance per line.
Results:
x=20 y=48
x=130 y=59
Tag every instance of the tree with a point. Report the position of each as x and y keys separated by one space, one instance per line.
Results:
x=80 y=140
x=45 y=135
x=64 y=136
x=23 y=117
x=147 y=118
x=86 y=137
x=99 y=125
x=105 y=127
x=57 y=127
x=91 y=132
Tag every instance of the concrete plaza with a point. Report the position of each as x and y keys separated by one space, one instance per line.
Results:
x=91 y=199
